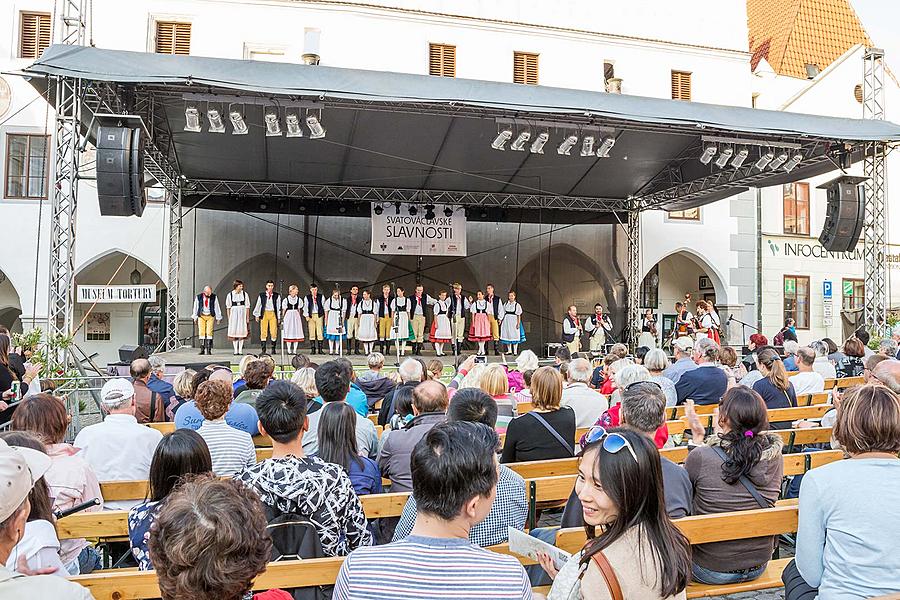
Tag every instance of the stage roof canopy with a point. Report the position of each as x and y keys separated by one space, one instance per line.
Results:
x=394 y=136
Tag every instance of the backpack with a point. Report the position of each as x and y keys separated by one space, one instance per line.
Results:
x=294 y=537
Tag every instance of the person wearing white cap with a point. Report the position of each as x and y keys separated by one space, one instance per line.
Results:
x=19 y=469
x=683 y=360
x=118 y=449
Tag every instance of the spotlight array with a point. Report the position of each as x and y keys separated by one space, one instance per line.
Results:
x=736 y=152
x=413 y=210
x=591 y=144
x=272 y=122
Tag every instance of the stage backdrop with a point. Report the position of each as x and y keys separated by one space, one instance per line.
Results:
x=403 y=233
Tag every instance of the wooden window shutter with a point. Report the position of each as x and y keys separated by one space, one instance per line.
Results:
x=525 y=68
x=442 y=60
x=173 y=38
x=34 y=34
x=681 y=85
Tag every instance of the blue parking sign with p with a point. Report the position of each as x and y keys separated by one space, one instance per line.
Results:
x=826 y=289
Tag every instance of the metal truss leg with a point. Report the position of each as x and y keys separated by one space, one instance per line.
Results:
x=171 y=341
x=875 y=224
x=633 y=283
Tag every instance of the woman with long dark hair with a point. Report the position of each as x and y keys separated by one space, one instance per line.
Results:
x=775 y=387
x=739 y=467
x=337 y=444
x=620 y=487
x=180 y=453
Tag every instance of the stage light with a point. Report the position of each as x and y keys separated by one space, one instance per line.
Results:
x=587 y=145
x=397 y=208
x=378 y=209
x=273 y=127
x=793 y=162
x=237 y=123
x=499 y=142
x=740 y=157
x=519 y=144
x=537 y=147
x=316 y=131
x=448 y=212
x=342 y=209
x=724 y=157
x=292 y=122
x=567 y=144
x=215 y=121
x=191 y=119
x=764 y=159
x=429 y=212
x=779 y=160
x=708 y=152
x=413 y=211
x=606 y=146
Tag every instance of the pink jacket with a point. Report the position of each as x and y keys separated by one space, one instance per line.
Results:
x=516 y=381
x=71 y=481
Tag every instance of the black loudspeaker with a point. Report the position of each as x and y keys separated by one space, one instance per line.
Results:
x=844 y=214
x=120 y=171
x=127 y=354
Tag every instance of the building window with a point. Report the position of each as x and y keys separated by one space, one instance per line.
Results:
x=796 y=208
x=853 y=294
x=442 y=60
x=796 y=300
x=525 y=68
x=173 y=37
x=681 y=85
x=609 y=70
x=650 y=289
x=34 y=34
x=689 y=214
x=26 y=166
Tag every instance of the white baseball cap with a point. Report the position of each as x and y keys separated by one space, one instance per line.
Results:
x=115 y=391
x=19 y=469
x=684 y=343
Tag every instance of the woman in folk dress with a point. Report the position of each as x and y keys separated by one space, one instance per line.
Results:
x=512 y=332
x=292 y=319
x=335 y=331
x=237 y=305
x=480 y=330
x=400 y=307
x=441 y=331
x=367 y=331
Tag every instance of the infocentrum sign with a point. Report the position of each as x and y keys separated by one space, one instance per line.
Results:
x=792 y=249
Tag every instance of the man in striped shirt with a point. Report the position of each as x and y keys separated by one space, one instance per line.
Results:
x=454 y=475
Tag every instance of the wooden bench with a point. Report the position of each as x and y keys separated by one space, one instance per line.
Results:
x=844 y=382
x=776 y=415
x=813 y=398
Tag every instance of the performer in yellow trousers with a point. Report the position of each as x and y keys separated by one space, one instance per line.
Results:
x=493 y=315
x=266 y=313
x=419 y=302
x=314 y=311
x=384 y=318
x=206 y=313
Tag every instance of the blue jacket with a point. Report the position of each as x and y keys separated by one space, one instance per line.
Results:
x=240 y=416
x=358 y=400
x=703 y=385
x=162 y=388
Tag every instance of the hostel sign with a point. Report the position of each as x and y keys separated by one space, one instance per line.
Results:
x=115 y=294
x=396 y=231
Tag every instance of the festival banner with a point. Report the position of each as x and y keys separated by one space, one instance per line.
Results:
x=398 y=232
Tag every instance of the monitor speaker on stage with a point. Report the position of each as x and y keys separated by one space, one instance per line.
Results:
x=120 y=171
x=128 y=354
x=844 y=214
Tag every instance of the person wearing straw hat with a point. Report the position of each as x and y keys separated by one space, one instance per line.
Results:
x=20 y=468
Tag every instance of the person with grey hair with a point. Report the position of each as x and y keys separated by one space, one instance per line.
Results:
x=118 y=448
x=150 y=407
x=888 y=347
x=790 y=353
x=807 y=381
x=823 y=365
x=587 y=403
x=683 y=347
x=626 y=375
x=887 y=372
x=157 y=382
x=373 y=382
x=656 y=362
x=412 y=373
x=706 y=383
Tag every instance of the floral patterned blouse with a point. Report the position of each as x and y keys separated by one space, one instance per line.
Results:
x=140 y=518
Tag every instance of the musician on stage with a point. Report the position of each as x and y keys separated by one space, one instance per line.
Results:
x=494 y=304
x=459 y=306
x=206 y=312
x=352 y=319
x=572 y=330
x=597 y=326
x=647 y=338
x=266 y=312
x=684 y=321
x=314 y=311
x=384 y=318
x=706 y=325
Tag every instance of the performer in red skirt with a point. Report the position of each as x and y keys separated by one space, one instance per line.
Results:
x=480 y=329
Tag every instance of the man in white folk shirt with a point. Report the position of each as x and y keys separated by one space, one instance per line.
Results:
x=572 y=330
x=118 y=449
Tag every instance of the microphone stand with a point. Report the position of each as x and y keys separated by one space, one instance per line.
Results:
x=395 y=323
x=743 y=327
x=453 y=331
x=279 y=319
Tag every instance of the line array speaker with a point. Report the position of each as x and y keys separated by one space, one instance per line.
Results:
x=844 y=214
x=120 y=171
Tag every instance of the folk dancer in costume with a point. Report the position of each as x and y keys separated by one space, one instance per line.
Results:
x=441 y=329
x=206 y=312
x=572 y=330
x=367 y=331
x=419 y=302
x=648 y=330
x=384 y=319
x=512 y=332
x=352 y=319
x=314 y=311
x=480 y=329
x=335 y=330
x=684 y=322
x=400 y=307
x=292 y=320
x=494 y=304
x=597 y=325
x=237 y=307
x=706 y=326
x=459 y=306
x=266 y=313
x=717 y=323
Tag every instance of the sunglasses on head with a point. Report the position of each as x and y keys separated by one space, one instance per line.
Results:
x=612 y=442
x=631 y=385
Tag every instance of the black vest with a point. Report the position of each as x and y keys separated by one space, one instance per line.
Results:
x=212 y=304
x=350 y=312
x=384 y=306
x=318 y=309
x=275 y=303
x=414 y=302
x=462 y=301
x=569 y=337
